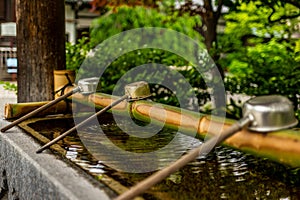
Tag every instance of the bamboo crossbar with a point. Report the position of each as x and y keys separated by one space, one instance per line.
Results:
x=281 y=146
x=17 y=110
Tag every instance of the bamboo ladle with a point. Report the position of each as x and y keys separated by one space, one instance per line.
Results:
x=134 y=91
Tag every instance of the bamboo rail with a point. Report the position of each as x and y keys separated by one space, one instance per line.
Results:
x=16 y=110
x=280 y=146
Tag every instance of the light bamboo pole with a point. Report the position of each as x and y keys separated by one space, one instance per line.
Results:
x=17 y=110
x=280 y=146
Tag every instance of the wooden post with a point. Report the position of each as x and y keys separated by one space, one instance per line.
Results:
x=41 y=47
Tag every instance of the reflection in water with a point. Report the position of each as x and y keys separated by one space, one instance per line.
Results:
x=223 y=174
x=129 y=153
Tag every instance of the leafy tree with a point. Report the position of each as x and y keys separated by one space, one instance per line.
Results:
x=257 y=48
x=261 y=57
x=209 y=11
x=76 y=53
x=208 y=14
x=127 y=18
x=278 y=4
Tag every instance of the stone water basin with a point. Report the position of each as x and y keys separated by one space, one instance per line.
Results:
x=224 y=174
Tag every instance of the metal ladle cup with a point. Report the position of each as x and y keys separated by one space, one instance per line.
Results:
x=88 y=85
x=137 y=90
x=264 y=114
x=134 y=91
x=270 y=113
x=85 y=86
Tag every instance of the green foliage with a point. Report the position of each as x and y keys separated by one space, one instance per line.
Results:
x=76 y=53
x=257 y=19
x=127 y=18
x=297 y=50
x=260 y=57
x=9 y=86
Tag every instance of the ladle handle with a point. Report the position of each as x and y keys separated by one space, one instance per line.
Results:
x=203 y=149
x=81 y=124
x=40 y=109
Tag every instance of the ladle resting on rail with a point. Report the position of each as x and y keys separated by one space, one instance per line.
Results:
x=134 y=91
x=263 y=114
x=85 y=87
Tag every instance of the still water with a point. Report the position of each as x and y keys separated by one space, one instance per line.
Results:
x=224 y=174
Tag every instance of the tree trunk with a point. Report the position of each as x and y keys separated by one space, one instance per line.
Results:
x=41 y=47
x=210 y=34
x=210 y=20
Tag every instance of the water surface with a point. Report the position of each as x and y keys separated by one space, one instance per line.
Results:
x=224 y=174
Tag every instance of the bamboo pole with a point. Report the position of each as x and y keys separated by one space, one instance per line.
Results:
x=281 y=146
x=16 y=110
